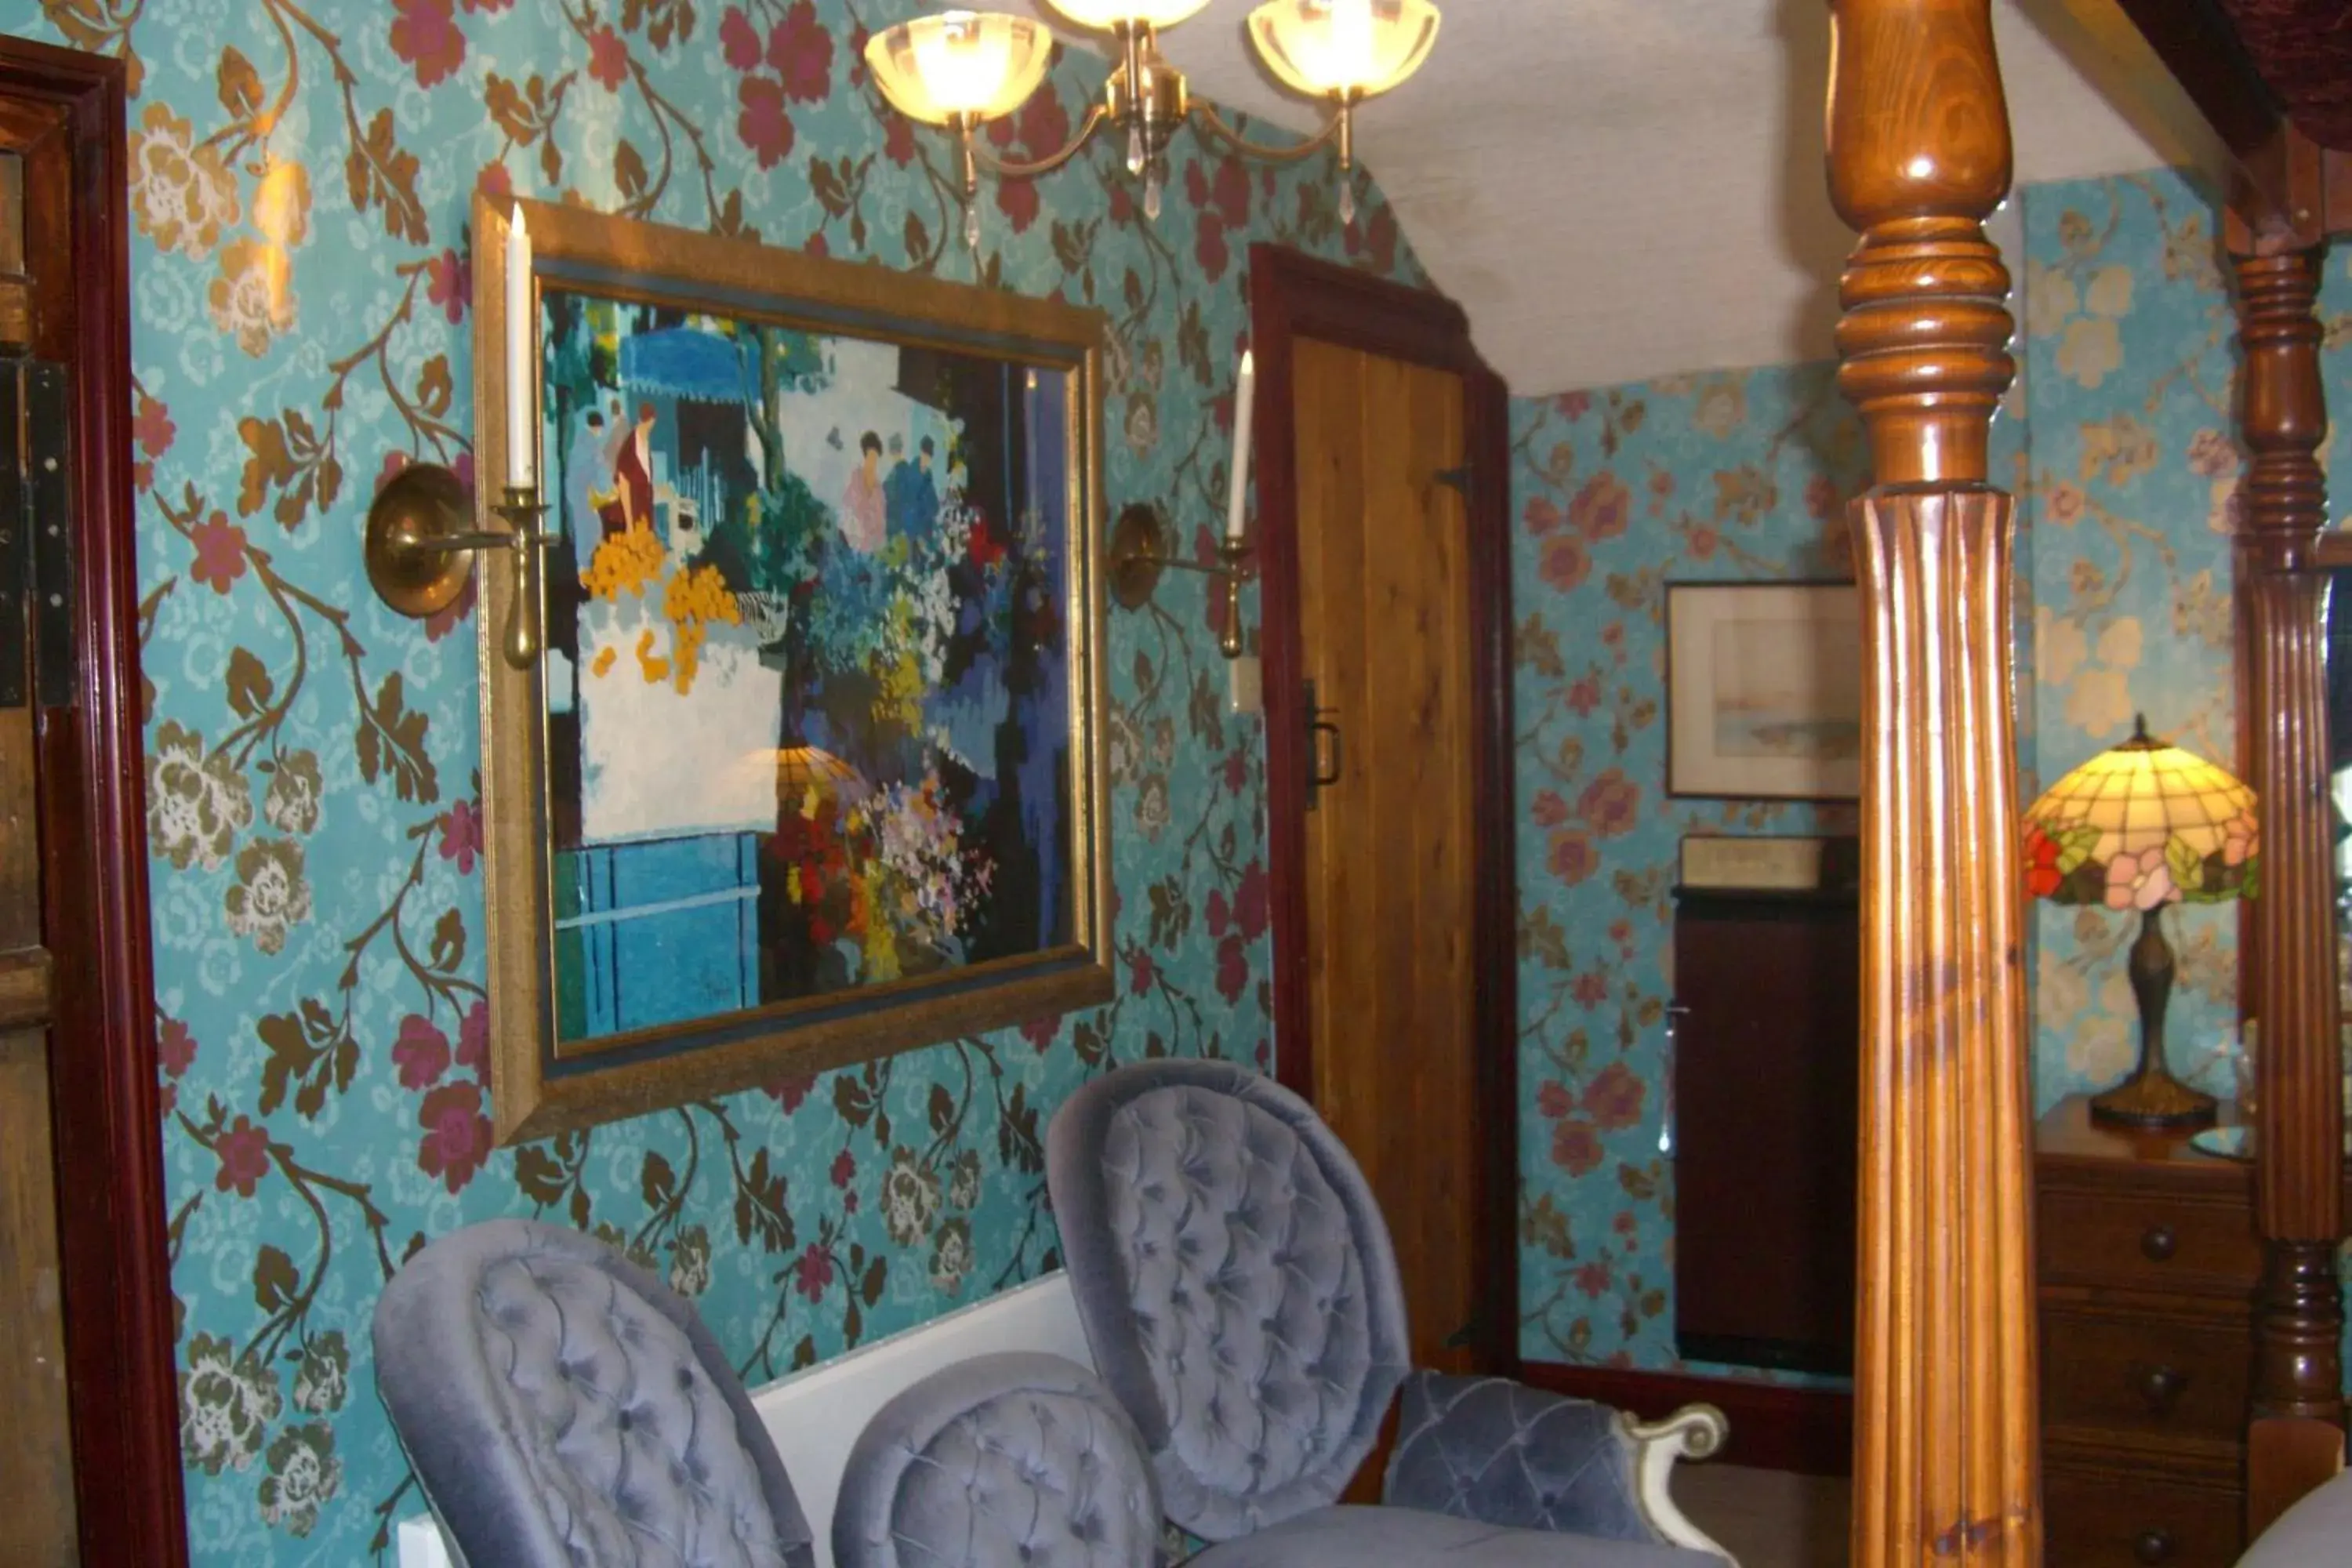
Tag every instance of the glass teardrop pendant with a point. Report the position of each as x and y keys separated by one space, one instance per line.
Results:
x=1135 y=149
x=971 y=226
x=1347 y=202
x=1151 y=196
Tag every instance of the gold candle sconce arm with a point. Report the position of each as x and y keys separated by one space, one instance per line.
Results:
x=1141 y=548
x=419 y=552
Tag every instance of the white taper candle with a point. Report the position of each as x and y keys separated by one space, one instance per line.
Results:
x=523 y=439
x=1245 y=394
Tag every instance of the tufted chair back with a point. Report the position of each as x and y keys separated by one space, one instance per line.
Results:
x=1000 y=1460
x=563 y=1409
x=1236 y=1283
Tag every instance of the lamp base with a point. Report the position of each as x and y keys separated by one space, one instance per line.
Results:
x=2154 y=1098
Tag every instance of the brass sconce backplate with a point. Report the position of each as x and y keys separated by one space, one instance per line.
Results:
x=421 y=503
x=1137 y=554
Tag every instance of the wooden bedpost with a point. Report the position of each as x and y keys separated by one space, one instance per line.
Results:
x=2296 y=1440
x=1946 y=1462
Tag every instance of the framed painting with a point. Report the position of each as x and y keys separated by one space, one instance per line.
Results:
x=810 y=768
x=1763 y=691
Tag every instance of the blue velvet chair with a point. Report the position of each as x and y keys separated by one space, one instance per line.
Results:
x=1005 y=1459
x=1242 y=1301
x=561 y=1408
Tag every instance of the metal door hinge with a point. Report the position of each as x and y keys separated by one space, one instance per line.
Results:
x=1456 y=479
x=36 y=536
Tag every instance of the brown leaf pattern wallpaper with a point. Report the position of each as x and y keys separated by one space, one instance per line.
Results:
x=302 y=171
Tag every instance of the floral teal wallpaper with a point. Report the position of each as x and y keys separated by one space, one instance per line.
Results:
x=2117 y=443
x=302 y=171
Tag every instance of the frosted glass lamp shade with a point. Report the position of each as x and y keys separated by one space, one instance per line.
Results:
x=1347 y=48
x=977 y=65
x=1102 y=16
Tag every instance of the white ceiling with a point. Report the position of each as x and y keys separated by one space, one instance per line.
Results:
x=1618 y=189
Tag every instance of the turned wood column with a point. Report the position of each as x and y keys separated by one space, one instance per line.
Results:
x=2299 y=1121
x=1946 y=1464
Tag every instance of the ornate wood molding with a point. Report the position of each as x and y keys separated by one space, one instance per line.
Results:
x=1945 y=1463
x=2290 y=927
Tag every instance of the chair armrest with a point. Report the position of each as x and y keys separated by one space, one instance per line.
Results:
x=1508 y=1455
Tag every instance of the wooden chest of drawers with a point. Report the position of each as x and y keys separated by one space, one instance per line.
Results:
x=2147 y=1260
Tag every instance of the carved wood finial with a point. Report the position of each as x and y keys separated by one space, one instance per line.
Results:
x=1945 y=1465
x=1920 y=157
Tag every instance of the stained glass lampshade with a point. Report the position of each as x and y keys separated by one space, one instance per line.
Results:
x=1343 y=49
x=2139 y=826
x=967 y=65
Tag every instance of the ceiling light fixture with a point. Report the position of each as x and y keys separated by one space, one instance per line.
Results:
x=962 y=69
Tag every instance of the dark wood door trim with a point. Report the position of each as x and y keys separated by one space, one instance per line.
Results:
x=1293 y=296
x=112 y=1240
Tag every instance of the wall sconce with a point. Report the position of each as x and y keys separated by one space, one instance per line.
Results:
x=1141 y=548
x=961 y=68
x=418 y=548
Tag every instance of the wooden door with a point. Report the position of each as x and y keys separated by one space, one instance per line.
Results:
x=36 y=333
x=1384 y=635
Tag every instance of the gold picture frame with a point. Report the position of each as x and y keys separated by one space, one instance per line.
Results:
x=673 y=544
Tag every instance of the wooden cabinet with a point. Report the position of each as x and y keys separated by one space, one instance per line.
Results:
x=1765 y=1081
x=2147 y=1260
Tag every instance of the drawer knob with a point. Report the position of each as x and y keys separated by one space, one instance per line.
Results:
x=2158 y=1243
x=2153 y=1546
x=2160 y=1386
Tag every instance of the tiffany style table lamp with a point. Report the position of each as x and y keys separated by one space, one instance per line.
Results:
x=2139 y=826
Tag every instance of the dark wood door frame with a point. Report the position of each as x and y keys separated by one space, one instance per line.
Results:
x=110 y=1227
x=1293 y=296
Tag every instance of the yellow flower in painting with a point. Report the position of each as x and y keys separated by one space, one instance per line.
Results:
x=2100 y=701
x=253 y=297
x=182 y=195
x=2090 y=350
x=604 y=658
x=282 y=204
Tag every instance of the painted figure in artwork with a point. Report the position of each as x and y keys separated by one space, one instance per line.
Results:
x=862 y=521
x=914 y=497
x=633 y=473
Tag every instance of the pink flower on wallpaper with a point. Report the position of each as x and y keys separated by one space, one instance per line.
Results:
x=1040 y=1032
x=2212 y=455
x=1553 y=1100
x=1610 y=805
x=1371 y=241
x=220 y=552
x=802 y=51
x=420 y=1052
x=2063 y=504
x=1209 y=249
x=897 y=138
x=860 y=36
x=1593 y=1278
x=1540 y=515
x=494 y=182
x=425 y=34
x=844 y=1168
x=1823 y=498
x=461 y=836
x=152 y=427
x=1627 y=1225
x=1220 y=914
x=1571 y=857
x=1601 y=508
x=1576 y=1146
x=243 y=1150
x=176 y=1046
x=1232 y=969
x=739 y=40
x=474 y=1037
x=764 y=125
x=1703 y=542
x=452 y=616
x=1253 y=900
x=1140 y=972
x=1572 y=405
x=815 y=244
x=457 y=1133
x=1613 y=1098
x=1566 y=563
x=1226 y=192
x=790 y=1093
x=814 y=1272
x=1549 y=809
x=1019 y=202
x=1590 y=989
x=1236 y=771
x=608 y=59
x=449 y=283
x=1584 y=695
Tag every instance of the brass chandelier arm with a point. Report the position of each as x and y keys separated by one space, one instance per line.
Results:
x=1096 y=116
x=1334 y=128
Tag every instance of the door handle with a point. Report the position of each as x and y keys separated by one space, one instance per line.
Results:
x=1320 y=776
